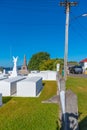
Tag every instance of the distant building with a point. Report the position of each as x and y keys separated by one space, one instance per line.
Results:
x=24 y=70
x=83 y=63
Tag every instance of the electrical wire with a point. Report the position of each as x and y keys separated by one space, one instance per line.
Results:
x=74 y=24
x=76 y=21
x=78 y=33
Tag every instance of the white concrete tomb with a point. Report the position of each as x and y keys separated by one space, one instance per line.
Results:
x=8 y=87
x=29 y=87
x=46 y=75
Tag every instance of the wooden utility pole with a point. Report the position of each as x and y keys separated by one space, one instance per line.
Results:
x=68 y=113
x=67 y=4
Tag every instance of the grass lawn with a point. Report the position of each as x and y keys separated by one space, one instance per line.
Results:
x=30 y=113
x=79 y=86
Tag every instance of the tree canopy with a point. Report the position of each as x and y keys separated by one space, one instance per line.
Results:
x=42 y=61
x=37 y=59
x=51 y=64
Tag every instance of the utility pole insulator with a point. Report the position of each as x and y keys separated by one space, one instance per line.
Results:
x=68 y=3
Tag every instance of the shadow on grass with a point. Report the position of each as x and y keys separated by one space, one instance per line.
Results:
x=57 y=125
x=6 y=99
x=83 y=124
x=43 y=84
x=69 y=121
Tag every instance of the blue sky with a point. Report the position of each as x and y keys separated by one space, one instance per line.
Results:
x=31 y=26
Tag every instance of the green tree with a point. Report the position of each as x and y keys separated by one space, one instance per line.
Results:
x=36 y=60
x=47 y=65
x=51 y=64
x=1 y=69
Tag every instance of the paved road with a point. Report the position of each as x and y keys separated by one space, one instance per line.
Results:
x=78 y=75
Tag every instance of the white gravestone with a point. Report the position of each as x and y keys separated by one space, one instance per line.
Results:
x=58 y=67
x=14 y=72
x=4 y=72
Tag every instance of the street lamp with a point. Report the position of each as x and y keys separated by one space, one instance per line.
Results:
x=84 y=15
x=81 y=15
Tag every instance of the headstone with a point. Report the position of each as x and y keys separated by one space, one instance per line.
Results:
x=4 y=72
x=58 y=67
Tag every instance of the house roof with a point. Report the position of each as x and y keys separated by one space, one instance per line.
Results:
x=84 y=60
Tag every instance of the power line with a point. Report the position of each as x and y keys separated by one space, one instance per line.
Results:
x=78 y=33
x=80 y=24
x=77 y=24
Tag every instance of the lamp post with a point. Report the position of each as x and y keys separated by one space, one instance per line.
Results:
x=82 y=15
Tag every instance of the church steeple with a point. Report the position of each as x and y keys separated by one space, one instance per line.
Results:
x=24 y=70
x=25 y=61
